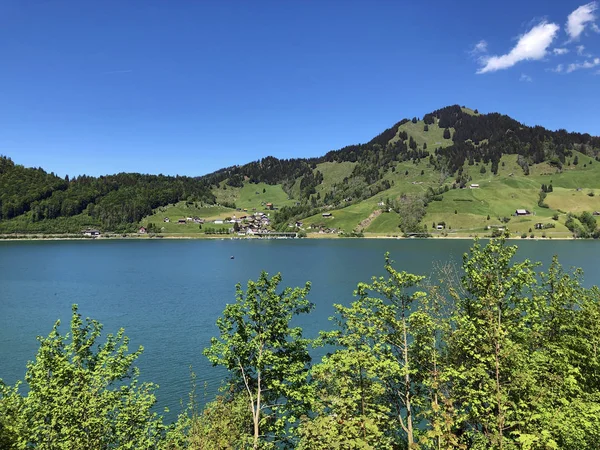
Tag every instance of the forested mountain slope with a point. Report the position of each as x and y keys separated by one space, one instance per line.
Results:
x=405 y=168
x=415 y=162
x=31 y=199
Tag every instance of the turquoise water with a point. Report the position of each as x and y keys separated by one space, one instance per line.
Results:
x=168 y=294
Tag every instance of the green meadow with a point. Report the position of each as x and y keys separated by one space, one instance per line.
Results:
x=466 y=211
x=183 y=210
x=253 y=195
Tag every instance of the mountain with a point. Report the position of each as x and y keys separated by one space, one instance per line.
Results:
x=415 y=171
x=32 y=200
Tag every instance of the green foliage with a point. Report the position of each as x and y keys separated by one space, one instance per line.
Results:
x=78 y=397
x=115 y=202
x=588 y=221
x=411 y=210
x=369 y=384
x=505 y=358
x=499 y=356
x=266 y=357
x=224 y=424
x=11 y=404
x=20 y=187
x=348 y=411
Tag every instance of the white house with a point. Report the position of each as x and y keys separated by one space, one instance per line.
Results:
x=474 y=186
x=218 y=222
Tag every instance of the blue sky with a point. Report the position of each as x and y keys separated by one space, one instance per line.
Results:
x=187 y=87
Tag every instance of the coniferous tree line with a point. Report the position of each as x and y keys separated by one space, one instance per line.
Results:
x=114 y=202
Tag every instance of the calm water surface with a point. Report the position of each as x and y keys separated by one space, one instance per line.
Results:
x=168 y=294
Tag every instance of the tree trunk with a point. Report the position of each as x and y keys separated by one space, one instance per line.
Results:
x=257 y=415
x=500 y=417
x=407 y=398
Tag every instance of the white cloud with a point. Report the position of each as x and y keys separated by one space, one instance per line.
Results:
x=532 y=45
x=558 y=69
x=580 y=49
x=584 y=65
x=578 y=19
x=560 y=51
x=480 y=47
x=525 y=77
x=595 y=27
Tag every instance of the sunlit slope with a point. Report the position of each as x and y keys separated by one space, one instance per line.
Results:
x=252 y=195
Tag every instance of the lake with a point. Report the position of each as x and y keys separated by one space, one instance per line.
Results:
x=167 y=294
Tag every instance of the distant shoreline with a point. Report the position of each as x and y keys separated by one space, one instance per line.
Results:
x=315 y=236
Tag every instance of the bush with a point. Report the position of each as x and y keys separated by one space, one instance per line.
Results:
x=83 y=395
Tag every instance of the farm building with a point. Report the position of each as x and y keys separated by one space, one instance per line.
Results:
x=474 y=186
x=522 y=212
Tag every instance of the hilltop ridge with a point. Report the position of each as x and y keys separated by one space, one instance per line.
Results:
x=415 y=171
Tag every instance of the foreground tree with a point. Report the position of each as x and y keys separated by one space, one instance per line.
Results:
x=488 y=348
x=267 y=358
x=522 y=358
x=77 y=395
x=376 y=375
x=224 y=424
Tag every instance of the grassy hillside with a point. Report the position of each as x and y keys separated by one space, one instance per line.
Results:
x=466 y=211
x=433 y=137
x=252 y=195
x=576 y=188
x=410 y=169
x=184 y=210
